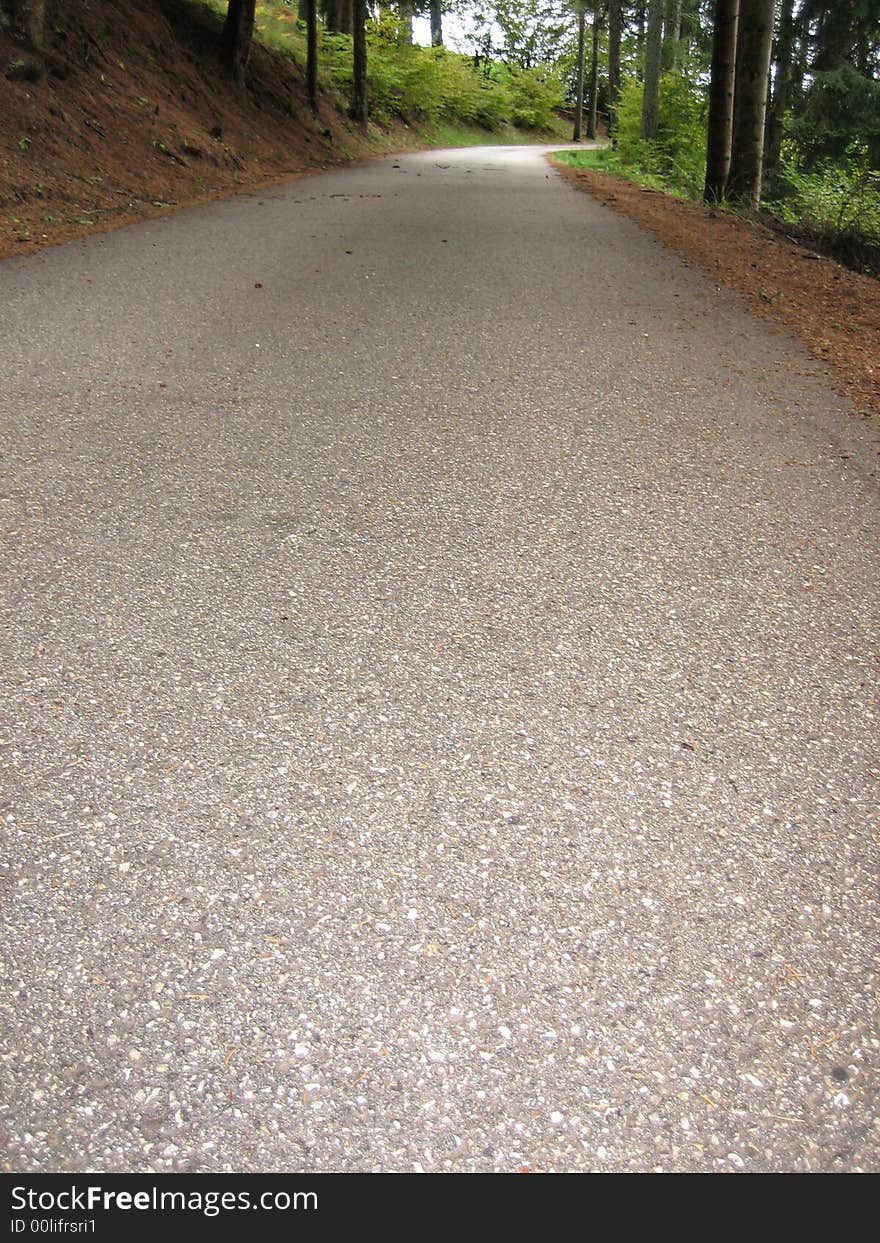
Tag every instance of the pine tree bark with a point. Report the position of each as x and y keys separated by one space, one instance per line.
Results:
x=753 y=44
x=781 y=91
x=405 y=21
x=671 y=33
x=651 y=95
x=238 y=32
x=436 y=23
x=338 y=16
x=721 y=86
x=359 y=62
x=594 y=74
x=581 y=65
x=615 y=24
x=311 y=7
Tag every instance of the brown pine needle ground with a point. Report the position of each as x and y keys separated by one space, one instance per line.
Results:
x=834 y=312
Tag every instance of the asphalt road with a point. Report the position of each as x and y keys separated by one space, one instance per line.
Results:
x=438 y=679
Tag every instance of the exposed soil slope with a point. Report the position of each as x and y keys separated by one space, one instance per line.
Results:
x=834 y=311
x=134 y=114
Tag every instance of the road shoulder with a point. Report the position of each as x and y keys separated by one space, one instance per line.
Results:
x=833 y=311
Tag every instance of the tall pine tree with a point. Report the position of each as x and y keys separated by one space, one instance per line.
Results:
x=721 y=88
x=753 y=45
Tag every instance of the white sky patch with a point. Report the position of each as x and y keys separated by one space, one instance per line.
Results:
x=455 y=32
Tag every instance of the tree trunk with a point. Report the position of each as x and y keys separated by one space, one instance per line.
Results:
x=238 y=32
x=671 y=34
x=639 y=18
x=359 y=50
x=594 y=75
x=312 y=53
x=333 y=15
x=405 y=21
x=651 y=96
x=346 y=17
x=781 y=91
x=436 y=23
x=834 y=35
x=614 y=34
x=750 y=100
x=721 y=86
x=302 y=11
x=579 y=87
x=800 y=57
x=26 y=20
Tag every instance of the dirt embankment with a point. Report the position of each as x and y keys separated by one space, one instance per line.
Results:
x=834 y=311
x=131 y=113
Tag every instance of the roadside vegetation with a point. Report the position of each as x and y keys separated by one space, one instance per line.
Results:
x=433 y=86
x=819 y=171
x=119 y=109
x=768 y=106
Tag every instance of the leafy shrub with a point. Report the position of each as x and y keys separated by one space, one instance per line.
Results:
x=535 y=95
x=836 y=205
x=631 y=148
x=418 y=84
x=678 y=154
x=433 y=84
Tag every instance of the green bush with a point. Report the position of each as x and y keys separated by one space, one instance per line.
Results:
x=418 y=84
x=678 y=154
x=836 y=204
x=535 y=95
x=433 y=84
x=464 y=94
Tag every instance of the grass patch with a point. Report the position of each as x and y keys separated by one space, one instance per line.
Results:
x=606 y=160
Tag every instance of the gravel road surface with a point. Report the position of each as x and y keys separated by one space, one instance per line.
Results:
x=438 y=696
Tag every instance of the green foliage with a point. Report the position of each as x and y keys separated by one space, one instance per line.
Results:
x=678 y=154
x=533 y=32
x=833 y=203
x=535 y=94
x=840 y=108
x=421 y=85
x=277 y=25
x=607 y=160
x=836 y=205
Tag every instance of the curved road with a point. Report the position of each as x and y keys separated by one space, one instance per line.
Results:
x=438 y=696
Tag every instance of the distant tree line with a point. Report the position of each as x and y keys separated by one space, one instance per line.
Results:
x=742 y=93
x=802 y=71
